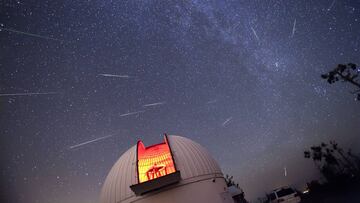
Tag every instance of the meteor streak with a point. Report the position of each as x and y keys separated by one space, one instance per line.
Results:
x=28 y=34
x=153 y=104
x=226 y=121
x=26 y=94
x=254 y=32
x=331 y=5
x=88 y=142
x=131 y=113
x=294 y=28
x=114 y=76
x=211 y=101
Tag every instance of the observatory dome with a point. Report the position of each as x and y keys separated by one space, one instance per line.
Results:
x=193 y=163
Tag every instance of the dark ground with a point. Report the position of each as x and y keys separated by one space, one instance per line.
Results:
x=343 y=195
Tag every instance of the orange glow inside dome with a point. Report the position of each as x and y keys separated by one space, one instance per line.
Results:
x=154 y=161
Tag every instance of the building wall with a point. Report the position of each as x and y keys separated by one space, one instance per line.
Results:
x=197 y=169
x=204 y=191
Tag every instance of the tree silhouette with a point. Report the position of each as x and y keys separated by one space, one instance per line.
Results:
x=230 y=182
x=349 y=165
x=346 y=73
x=332 y=162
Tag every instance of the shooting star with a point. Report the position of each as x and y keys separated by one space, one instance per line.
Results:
x=294 y=28
x=236 y=26
x=254 y=32
x=285 y=172
x=88 y=142
x=28 y=33
x=154 y=104
x=211 y=101
x=331 y=5
x=131 y=113
x=226 y=121
x=114 y=76
x=27 y=94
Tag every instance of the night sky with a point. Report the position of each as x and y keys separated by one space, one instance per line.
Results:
x=82 y=81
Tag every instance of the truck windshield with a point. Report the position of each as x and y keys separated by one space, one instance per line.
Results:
x=284 y=192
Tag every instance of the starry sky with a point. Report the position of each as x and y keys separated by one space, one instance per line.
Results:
x=82 y=81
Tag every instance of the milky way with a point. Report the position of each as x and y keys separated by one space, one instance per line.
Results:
x=242 y=78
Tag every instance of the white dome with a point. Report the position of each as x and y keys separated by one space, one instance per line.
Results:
x=192 y=160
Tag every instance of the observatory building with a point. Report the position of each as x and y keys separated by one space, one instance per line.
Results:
x=178 y=170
